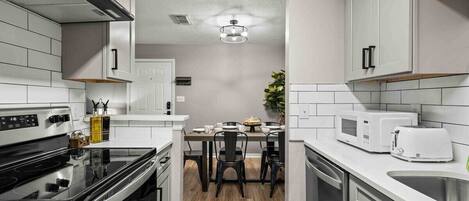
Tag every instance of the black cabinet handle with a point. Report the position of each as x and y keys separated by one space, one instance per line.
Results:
x=364 y=51
x=161 y=193
x=115 y=59
x=371 y=49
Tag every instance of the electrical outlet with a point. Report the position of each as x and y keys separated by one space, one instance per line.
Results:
x=180 y=99
x=304 y=111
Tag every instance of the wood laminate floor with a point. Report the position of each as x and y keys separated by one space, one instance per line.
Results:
x=230 y=191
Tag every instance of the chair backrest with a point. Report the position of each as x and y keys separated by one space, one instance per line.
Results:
x=230 y=140
x=188 y=143
x=231 y=123
x=279 y=137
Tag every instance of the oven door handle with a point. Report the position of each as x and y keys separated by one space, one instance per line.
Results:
x=335 y=182
x=132 y=186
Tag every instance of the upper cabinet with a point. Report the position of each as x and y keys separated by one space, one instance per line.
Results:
x=99 y=51
x=405 y=39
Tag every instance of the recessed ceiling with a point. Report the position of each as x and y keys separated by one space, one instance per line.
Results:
x=265 y=20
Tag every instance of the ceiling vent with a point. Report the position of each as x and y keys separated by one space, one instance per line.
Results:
x=180 y=19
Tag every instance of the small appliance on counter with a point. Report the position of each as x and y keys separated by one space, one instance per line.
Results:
x=421 y=144
x=100 y=122
x=371 y=130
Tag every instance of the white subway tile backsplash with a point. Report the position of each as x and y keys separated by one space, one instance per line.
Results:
x=456 y=96
x=21 y=75
x=375 y=97
x=367 y=86
x=44 y=26
x=302 y=133
x=325 y=133
x=57 y=81
x=446 y=114
x=458 y=133
x=442 y=82
x=293 y=97
x=332 y=109
x=13 y=54
x=296 y=109
x=13 y=93
x=317 y=122
x=77 y=95
x=56 y=47
x=423 y=96
x=405 y=108
x=13 y=15
x=45 y=61
x=412 y=84
x=316 y=97
x=293 y=121
x=353 y=97
x=47 y=95
x=303 y=87
x=335 y=87
x=364 y=107
x=23 y=38
x=391 y=97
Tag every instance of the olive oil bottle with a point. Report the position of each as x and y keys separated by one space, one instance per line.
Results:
x=96 y=124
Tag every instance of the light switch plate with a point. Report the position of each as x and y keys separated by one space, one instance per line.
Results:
x=180 y=99
x=304 y=111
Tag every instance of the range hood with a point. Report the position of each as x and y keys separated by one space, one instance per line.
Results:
x=70 y=11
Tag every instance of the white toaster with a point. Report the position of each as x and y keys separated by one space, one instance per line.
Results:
x=421 y=144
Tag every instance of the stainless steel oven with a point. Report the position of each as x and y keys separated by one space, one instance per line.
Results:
x=324 y=180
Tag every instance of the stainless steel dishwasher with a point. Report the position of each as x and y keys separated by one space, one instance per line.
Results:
x=324 y=180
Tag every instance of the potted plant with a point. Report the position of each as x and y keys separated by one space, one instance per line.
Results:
x=274 y=99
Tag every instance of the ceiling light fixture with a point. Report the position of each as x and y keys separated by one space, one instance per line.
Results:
x=233 y=33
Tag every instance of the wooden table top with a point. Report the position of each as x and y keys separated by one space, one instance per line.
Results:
x=194 y=136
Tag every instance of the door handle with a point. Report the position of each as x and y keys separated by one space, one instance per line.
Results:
x=371 y=50
x=364 y=51
x=115 y=59
x=336 y=183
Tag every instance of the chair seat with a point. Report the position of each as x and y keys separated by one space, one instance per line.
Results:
x=238 y=158
x=238 y=150
x=193 y=153
x=275 y=159
x=276 y=149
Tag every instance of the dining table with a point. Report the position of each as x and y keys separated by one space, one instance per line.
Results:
x=207 y=151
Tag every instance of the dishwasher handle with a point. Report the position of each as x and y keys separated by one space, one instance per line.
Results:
x=335 y=182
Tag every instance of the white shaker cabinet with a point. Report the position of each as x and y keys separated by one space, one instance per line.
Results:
x=405 y=39
x=100 y=51
x=360 y=191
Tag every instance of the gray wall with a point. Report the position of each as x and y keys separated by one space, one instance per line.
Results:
x=227 y=80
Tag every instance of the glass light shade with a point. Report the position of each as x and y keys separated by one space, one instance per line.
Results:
x=233 y=33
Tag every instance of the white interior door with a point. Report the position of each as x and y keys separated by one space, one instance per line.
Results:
x=153 y=89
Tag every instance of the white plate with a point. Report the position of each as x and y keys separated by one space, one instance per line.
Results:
x=273 y=127
x=199 y=130
x=229 y=127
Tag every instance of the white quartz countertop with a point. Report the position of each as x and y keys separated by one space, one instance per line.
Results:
x=373 y=168
x=159 y=144
x=143 y=117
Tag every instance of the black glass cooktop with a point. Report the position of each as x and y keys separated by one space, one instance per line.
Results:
x=65 y=175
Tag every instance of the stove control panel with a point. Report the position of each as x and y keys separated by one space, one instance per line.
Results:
x=17 y=122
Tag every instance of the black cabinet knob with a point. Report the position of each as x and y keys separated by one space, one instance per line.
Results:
x=63 y=182
x=65 y=118
x=50 y=187
x=54 y=119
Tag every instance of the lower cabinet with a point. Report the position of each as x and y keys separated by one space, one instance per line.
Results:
x=163 y=178
x=360 y=191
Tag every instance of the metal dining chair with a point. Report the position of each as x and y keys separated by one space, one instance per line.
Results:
x=231 y=123
x=264 y=149
x=275 y=159
x=230 y=158
x=193 y=155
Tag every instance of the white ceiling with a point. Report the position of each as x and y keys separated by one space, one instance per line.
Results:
x=265 y=20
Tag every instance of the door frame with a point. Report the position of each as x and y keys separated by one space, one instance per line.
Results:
x=173 y=82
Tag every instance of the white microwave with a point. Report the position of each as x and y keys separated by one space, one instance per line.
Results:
x=371 y=130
